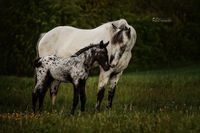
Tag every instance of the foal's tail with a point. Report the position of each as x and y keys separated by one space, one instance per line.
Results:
x=37 y=62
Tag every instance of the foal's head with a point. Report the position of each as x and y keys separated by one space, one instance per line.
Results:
x=100 y=54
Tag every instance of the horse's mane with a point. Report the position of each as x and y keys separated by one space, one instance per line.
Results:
x=84 y=49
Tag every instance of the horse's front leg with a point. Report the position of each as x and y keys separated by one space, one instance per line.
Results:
x=103 y=80
x=75 y=99
x=82 y=94
x=114 y=78
x=53 y=91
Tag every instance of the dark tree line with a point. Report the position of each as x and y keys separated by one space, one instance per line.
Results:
x=172 y=39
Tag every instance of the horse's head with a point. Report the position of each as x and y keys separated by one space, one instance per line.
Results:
x=101 y=55
x=120 y=41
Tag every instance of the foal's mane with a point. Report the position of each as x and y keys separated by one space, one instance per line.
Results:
x=84 y=49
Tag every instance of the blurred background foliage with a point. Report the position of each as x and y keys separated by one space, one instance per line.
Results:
x=159 y=44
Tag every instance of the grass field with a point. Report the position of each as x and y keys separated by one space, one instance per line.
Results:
x=159 y=101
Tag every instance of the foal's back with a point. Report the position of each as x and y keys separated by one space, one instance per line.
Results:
x=63 y=69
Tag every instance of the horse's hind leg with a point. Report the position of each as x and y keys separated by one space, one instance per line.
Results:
x=82 y=95
x=53 y=91
x=113 y=82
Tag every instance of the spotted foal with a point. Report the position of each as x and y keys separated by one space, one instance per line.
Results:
x=74 y=69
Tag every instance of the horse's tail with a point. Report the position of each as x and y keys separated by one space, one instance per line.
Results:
x=37 y=62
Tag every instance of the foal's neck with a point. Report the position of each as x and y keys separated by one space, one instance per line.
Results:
x=89 y=58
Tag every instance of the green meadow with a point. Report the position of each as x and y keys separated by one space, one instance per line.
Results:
x=157 y=101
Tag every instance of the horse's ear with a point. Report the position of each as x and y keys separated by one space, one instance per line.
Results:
x=114 y=27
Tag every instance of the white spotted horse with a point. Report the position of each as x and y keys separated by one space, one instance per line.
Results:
x=74 y=69
x=64 y=41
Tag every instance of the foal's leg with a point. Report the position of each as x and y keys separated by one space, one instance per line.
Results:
x=39 y=81
x=53 y=91
x=35 y=95
x=103 y=80
x=41 y=97
x=75 y=98
x=82 y=94
x=38 y=93
x=43 y=80
x=113 y=82
x=47 y=81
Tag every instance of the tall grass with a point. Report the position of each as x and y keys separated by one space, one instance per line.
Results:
x=150 y=101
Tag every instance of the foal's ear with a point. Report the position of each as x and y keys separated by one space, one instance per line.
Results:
x=101 y=45
x=106 y=44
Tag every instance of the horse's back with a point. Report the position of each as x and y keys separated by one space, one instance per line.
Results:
x=66 y=40
x=54 y=39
